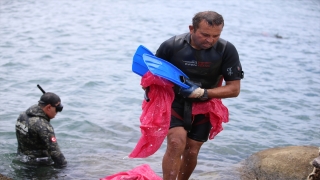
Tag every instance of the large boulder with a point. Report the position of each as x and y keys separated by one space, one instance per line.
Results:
x=281 y=163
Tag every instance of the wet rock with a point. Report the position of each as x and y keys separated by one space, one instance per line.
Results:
x=315 y=174
x=282 y=163
x=2 y=177
x=316 y=162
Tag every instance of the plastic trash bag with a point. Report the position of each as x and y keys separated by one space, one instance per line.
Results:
x=155 y=117
x=216 y=111
x=143 y=172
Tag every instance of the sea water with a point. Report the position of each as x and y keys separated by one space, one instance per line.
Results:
x=82 y=50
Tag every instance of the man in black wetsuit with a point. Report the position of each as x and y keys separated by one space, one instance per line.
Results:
x=206 y=59
x=35 y=134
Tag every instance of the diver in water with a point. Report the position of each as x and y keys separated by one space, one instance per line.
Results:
x=35 y=135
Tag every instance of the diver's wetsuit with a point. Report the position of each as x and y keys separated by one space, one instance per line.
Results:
x=203 y=66
x=36 y=137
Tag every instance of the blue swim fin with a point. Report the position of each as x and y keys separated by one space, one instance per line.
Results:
x=164 y=69
x=138 y=65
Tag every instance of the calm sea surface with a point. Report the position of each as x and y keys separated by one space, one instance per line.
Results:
x=82 y=50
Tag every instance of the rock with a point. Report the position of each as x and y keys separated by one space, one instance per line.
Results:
x=316 y=162
x=282 y=163
x=2 y=177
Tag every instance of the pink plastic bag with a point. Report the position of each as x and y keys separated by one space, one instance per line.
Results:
x=155 y=117
x=216 y=111
x=143 y=172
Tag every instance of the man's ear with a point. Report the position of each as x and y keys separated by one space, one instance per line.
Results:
x=47 y=108
x=191 y=28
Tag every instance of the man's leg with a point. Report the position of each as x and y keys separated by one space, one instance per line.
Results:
x=176 y=142
x=189 y=159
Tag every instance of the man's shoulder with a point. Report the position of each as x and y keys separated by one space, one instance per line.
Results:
x=171 y=45
x=178 y=41
x=225 y=47
x=22 y=116
x=220 y=46
x=182 y=36
x=178 y=37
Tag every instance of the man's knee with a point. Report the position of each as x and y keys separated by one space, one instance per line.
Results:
x=176 y=143
x=177 y=138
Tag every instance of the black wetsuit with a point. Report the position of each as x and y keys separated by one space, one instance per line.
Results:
x=203 y=66
x=36 y=137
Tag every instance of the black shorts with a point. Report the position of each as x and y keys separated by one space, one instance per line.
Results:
x=201 y=125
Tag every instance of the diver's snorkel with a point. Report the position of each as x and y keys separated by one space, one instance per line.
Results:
x=59 y=107
x=41 y=89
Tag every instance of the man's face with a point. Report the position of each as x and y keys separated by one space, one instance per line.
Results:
x=51 y=111
x=205 y=36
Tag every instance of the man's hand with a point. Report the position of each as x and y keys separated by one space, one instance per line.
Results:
x=194 y=91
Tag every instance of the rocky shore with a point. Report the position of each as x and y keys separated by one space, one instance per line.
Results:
x=2 y=177
x=282 y=163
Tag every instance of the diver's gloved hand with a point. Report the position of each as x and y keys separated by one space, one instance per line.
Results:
x=194 y=91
